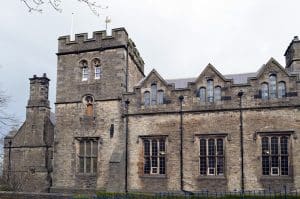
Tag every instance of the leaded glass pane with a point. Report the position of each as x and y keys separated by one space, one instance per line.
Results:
x=264 y=91
x=162 y=165
x=160 y=97
x=274 y=145
x=88 y=148
x=273 y=89
x=281 y=90
x=210 y=90
x=202 y=147
x=211 y=147
x=153 y=94
x=203 y=167
x=217 y=93
x=147 y=98
x=202 y=94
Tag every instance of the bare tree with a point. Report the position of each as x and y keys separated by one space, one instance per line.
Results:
x=37 y=5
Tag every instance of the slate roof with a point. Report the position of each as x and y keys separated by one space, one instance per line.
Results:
x=237 y=79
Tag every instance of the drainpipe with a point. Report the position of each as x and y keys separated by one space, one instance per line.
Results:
x=9 y=160
x=181 y=143
x=127 y=68
x=126 y=147
x=240 y=95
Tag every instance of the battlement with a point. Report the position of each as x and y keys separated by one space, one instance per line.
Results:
x=99 y=40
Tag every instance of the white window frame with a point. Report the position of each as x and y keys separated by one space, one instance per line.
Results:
x=97 y=72
x=85 y=73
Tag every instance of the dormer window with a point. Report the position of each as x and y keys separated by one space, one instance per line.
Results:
x=153 y=94
x=160 y=97
x=147 y=98
x=273 y=86
x=264 y=91
x=85 y=70
x=210 y=90
x=217 y=93
x=281 y=90
x=202 y=93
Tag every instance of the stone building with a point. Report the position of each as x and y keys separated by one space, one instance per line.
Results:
x=119 y=130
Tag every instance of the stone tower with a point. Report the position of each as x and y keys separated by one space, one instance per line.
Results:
x=292 y=56
x=28 y=151
x=92 y=75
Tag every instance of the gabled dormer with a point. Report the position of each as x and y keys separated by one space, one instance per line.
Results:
x=273 y=81
x=211 y=85
x=154 y=90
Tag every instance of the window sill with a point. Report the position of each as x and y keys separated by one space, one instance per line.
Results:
x=156 y=176
x=200 y=177
x=86 y=174
x=276 y=178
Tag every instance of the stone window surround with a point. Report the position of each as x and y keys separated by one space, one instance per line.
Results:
x=95 y=64
x=141 y=139
x=291 y=135
x=77 y=149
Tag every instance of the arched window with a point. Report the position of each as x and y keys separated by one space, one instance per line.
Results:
x=96 y=64
x=210 y=90
x=160 y=97
x=202 y=93
x=153 y=94
x=217 y=94
x=273 y=86
x=88 y=100
x=281 y=90
x=147 y=98
x=85 y=70
x=264 y=91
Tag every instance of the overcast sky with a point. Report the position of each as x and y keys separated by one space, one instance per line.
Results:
x=178 y=38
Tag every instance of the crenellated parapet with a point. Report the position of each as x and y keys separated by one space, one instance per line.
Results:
x=100 y=41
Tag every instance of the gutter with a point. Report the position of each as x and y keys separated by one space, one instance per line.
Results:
x=181 y=143
x=126 y=147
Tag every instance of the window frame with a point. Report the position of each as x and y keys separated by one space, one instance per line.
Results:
x=273 y=91
x=159 y=158
x=216 y=157
x=281 y=92
x=269 y=155
x=210 y=90
x=264 y=91
x=93 y=156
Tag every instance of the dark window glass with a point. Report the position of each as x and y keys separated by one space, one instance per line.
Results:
x=275 y=155
x=154 y=156
x=212 y=156
x=88 y=151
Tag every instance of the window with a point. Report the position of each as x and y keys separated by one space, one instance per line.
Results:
x=160 y=97
x=97 y=72
x=281 y=90
x=85 y=70
x=88 y=152
x=153 y=94
x=147 y=98
x=88 y=101
x=96 y=64
x=212 y=156
x=264 y=91
x=273 y=86
x=217 y=93
x=210 y=90
x=202 y=92
x=275 y=155
x=154 y=156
